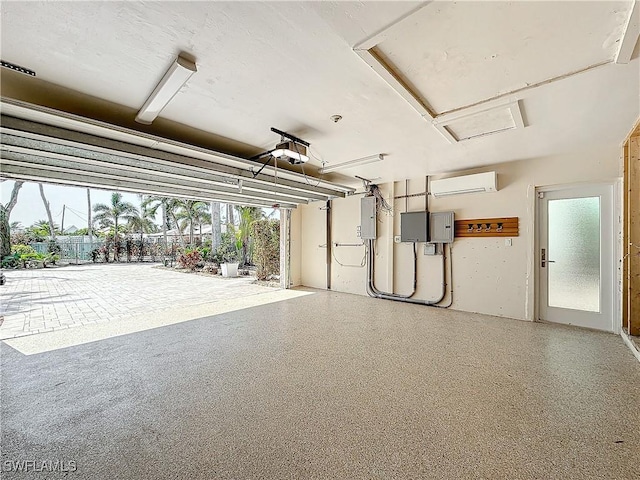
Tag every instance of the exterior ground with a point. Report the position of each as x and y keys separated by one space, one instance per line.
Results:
x=44 y=300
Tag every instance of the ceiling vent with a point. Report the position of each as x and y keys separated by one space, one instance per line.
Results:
x=478 y=183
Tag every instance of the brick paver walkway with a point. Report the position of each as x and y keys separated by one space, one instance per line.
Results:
x=42 y=300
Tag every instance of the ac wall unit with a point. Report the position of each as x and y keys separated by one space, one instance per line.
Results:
x=477 y=183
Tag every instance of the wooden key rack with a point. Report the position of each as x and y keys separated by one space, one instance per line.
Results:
x=487 y=227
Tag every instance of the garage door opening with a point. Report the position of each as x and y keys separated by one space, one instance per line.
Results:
x=81 y=256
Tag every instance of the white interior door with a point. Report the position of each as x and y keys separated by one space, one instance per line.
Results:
x=575 y=256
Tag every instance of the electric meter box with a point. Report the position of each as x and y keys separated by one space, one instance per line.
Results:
x=414 y=227
x=441 y=227
x=368 y=218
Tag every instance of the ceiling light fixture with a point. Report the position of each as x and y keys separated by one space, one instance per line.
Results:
x=353 y=163
x=179 y=72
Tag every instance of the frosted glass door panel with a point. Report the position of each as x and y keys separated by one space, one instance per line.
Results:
x=574 y=253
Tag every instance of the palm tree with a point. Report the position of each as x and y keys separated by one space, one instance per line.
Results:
x=5 y=228
x=142 y=222
x=41 y=229
x=168 y=206
x=189 y=211
x=203 y=217
x=230 y=219
x=111 y=214
x=46 y=207
x=5 y=234
x=216 y=227
x=247 y=216
x=16 y=225
x=89 y=221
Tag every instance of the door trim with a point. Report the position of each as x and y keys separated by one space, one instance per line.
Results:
x=616 y=242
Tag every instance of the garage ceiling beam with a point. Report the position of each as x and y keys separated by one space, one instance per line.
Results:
x=89 y=165
x=30 y=172
x=232 y=195
x=196 y=164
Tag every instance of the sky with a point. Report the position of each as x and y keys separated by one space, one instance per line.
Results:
x=30 y=208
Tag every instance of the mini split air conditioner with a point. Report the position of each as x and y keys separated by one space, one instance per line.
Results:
x=478 y=183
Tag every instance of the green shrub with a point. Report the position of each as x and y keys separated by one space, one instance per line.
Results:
x=11 y=261
x=51 y=258
x=229 y=248
x=266 y=255
x=190 y=259
x=23 y=250
x=54 y=248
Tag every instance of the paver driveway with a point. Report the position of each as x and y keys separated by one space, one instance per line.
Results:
x=42 y=300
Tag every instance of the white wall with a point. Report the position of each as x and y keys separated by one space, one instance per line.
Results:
x=488 y=277
x=295 y=247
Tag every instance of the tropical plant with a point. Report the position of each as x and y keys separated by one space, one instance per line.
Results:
x=216 y=225
x=191 y=212
x=141 y=222
x=168 y=207
x=41 y=229
x=11 y=261
x=54 y=250
x=116 y=210
x=5 y=226
x=190 y=259
x=79 y=233
x=5 y=233
x=18 y=238
x=16 y=226
x=266 y=238
x=248 y=215
x=229 y=250
x=26 y=254
x=23 y=249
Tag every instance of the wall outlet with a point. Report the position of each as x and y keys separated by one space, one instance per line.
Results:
x=358 y=231
x=397 y=239
x=507 y=242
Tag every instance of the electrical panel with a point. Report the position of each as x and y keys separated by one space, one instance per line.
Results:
x=414 y=227
x=441 y=227
x=368 y=218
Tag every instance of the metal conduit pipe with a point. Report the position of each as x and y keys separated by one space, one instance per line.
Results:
x=374 y=292
x=371 y=288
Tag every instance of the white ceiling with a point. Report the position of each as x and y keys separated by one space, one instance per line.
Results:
x=291 y=65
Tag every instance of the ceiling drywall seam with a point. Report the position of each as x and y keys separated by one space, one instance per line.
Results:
x=367 y=52
x=489 y=101
x=374 y=39
x=630 y=36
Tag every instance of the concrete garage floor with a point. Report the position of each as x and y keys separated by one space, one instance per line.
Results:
x=330 y=386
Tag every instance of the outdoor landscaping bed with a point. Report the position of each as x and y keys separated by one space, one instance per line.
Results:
x=249 y=272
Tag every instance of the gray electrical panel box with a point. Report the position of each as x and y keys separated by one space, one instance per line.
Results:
x=414 y=227
x=441 y=227
x=368 y=218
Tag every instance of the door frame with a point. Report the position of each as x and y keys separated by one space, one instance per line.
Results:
x=616 y=241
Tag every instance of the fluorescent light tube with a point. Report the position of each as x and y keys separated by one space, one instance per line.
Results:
x=353 y=163
x=285 y=152
x=179 y=72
